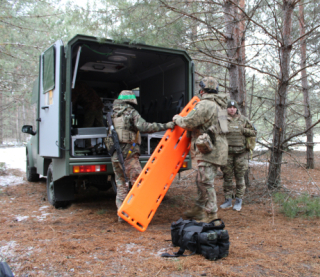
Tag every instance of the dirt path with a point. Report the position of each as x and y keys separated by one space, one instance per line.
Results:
x=86 y=239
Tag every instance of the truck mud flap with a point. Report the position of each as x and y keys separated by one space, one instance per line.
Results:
x=64 y=189
x=144 y=198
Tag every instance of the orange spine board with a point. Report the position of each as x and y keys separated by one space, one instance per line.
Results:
x=141 y=203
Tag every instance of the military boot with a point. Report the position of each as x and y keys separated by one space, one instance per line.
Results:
x=195 y=213
x=238 y=204
x=226 y=204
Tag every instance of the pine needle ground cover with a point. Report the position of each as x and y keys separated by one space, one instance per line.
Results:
x=87 y=240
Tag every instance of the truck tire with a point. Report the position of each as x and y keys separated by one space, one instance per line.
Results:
x=31 y=172
x=50 y=191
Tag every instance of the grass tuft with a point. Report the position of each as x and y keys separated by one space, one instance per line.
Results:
x=300 y=206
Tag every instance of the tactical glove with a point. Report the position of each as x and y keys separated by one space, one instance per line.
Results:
x=170 y=125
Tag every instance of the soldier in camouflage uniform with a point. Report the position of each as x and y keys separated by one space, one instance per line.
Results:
x=92 y=105
x=128 y=123
x=239 y=128
x=208 y=113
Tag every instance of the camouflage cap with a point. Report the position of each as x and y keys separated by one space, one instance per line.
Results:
x=209 y=84
x=128 y=96
x=232 y=103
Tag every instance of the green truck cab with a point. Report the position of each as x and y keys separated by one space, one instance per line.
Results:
x=162 y=79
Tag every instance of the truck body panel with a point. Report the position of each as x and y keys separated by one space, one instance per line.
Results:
x=161 y=78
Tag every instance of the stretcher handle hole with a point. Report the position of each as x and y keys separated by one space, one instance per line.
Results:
x=167 y=137
x=179 y=139
x=165 y=186
x=153 y=160
x=150 y=214
x=160 y=148
x=177 y=164
x=130 y=198
x=159 y=198
x=126 y=215
x=183 y=154
x=139 y=225
x=147 y=170
x=138 y=185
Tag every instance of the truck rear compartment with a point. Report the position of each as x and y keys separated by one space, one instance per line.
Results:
x=158 y=78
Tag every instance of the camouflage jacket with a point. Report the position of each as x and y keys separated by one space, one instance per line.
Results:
x=86 y=97
x=239 y=128
x=204 y=115
x=135 y=123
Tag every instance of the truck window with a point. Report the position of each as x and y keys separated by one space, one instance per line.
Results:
x=48 y=70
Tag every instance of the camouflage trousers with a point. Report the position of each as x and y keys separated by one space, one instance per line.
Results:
x=133 y=169
x=207 y=198
x=92 y=119
x=237 y=165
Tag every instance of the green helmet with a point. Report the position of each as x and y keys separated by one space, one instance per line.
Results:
x=209 y=84
x=232 y=103
x=128 y=96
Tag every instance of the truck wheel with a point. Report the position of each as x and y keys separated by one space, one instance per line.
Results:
x=114 y=184
x=50 y=191
x=31 y=172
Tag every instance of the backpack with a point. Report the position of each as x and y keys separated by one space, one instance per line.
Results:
x=199 y=237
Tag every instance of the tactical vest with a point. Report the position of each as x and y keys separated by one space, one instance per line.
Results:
x=234 y=136
x=122 y=126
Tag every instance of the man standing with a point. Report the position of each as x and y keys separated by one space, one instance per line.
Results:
x=128 y=124
x=208 y=117
x=239 y=129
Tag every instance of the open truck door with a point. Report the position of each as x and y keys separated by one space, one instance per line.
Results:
x=51 y=81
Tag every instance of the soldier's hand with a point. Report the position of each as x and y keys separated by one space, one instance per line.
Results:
x=170 y=125
x=175 y=117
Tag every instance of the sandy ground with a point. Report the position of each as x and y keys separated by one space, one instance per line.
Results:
x=86 y=239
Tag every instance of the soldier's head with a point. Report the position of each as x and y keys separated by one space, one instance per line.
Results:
x=209 y=85
x=128 y=96
x=232 y=107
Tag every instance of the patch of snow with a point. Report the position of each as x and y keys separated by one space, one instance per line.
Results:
x=42 y=217
x=10 y=180
x=14 y=157
x=20 y=217
x=43 y=207
x=7 y=250
x=132 y=248
x=257 y=163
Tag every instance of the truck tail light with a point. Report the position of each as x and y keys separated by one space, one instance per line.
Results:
x=89 y=168
x=184 y=165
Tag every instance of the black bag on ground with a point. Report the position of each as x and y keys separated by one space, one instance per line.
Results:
x=5 y=270
x=199 y=237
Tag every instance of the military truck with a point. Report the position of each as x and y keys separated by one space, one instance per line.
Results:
x=163 y=82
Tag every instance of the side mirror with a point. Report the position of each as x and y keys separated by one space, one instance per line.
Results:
x=28 y=129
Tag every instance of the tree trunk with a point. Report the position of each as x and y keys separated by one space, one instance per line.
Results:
x=241 y=60
x=230 y=25
x=1 y=119
x=304 y=82
x=274 y=180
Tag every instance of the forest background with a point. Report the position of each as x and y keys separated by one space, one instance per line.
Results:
x=265 y=53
